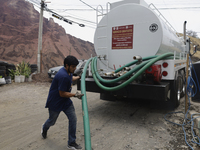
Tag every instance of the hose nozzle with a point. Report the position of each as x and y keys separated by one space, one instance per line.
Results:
x=109 y=73
x=126 y=68
x=114 y=74
x=139 y=58
x=122 y=73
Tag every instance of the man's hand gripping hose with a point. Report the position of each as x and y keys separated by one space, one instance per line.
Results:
x=78 y=95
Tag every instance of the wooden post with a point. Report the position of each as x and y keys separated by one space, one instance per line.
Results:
x=186 y=96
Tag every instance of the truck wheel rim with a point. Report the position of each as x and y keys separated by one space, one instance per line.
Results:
x=178 y=95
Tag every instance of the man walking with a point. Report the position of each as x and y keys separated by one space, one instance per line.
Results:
x=59 y=100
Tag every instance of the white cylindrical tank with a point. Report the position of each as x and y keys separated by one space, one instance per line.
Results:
x=130 y=29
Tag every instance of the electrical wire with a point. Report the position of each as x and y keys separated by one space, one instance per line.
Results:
x=75 y=9
x=86 y=22
x=87 y=5
x=79 y=18
x=62 y=18
x=59 y=16
x=76 y=17
x=179 y=8
x=159 y=8
x=177 y=2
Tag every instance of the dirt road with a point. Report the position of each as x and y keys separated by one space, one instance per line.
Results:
x=114 y=125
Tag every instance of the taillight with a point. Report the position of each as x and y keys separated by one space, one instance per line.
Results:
x=164 y=73
x=165 y=65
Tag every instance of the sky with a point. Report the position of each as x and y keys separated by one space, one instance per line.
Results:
x=82 y=12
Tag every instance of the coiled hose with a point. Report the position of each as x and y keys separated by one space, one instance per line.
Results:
x=136 y=68
x=139 y=68
x=139 y=72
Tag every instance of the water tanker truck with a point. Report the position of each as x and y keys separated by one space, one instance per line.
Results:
x=139 y=54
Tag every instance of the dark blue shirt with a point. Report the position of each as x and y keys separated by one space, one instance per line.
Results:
x=61 y=82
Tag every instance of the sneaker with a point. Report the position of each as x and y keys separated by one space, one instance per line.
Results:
x=43 y=133
x=74 y=146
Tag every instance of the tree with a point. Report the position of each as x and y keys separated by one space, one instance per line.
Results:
x=192 y=33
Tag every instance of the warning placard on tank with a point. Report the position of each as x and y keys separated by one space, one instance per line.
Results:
x=122 y=37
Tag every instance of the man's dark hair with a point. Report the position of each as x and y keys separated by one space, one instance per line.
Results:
x=71 y=60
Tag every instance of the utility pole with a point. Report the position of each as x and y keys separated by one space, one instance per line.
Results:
x=39 y=56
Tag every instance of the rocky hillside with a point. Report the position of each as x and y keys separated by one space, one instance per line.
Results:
x=196 y=56
x=19 y=23
x=194 y=41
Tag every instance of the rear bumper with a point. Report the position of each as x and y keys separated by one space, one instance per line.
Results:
x=131 y=91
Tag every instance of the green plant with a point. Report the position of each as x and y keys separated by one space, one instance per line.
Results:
x=11 y=73
x=23 y=68
x=0 y=76
x=27 y=71
x=17 y=72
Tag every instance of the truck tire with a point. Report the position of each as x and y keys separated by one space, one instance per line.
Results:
x=11 y=66
x=3 y=63
x=182 y=74
x=2 y=73
x=33 y=65
x=176 y=89
x=33 y=68
x=2 y=67
x=173 y=97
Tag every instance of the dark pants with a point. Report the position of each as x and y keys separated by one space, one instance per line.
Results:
x=70 y=113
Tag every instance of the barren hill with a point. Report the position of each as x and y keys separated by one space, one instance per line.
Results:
x=19 y=23
x=196 y=56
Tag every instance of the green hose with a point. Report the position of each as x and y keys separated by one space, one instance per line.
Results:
x=85 y=109
x=132 y=78
x=136 y=68
x=134 y=62
x=143 y=66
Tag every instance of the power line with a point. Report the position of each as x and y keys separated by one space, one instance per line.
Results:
x=77 y=18
x=86 y=24
x=72 y=16
x=179 y=8
x=82 y=20
x=74 y=9
x=62 y=17
x=163 y=8
x=56 y=15
x=90 y=6
x=87 y=4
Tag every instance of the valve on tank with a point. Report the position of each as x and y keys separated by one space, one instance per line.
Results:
x=153 y=74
